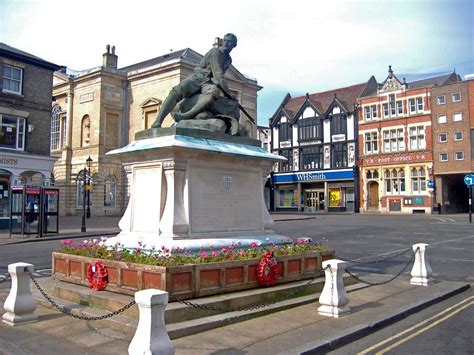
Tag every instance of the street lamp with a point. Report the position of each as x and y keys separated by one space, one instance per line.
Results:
x=85 y=192
x=88 y=186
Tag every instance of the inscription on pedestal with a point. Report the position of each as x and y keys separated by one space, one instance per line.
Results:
x=225 y=200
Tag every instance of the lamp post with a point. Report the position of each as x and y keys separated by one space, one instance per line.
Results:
x=83 y=225
x=88 y=186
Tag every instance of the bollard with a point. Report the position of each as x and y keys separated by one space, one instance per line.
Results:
x=151 y=336
x=20 y=305
x=333 y=299
x=421 y=273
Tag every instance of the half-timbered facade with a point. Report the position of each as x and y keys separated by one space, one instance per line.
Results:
x=317 y=135
x=395 y=150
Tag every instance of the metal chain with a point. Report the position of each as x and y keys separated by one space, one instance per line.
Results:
x=68 y=311
x=246 y=308
x=374 y=261
x=383 y=282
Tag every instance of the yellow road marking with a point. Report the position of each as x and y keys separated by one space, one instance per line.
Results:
x=422 y=330
x=378 y=345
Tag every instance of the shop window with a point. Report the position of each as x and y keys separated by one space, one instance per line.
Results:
x=12 y=135
x=335 y=198
x=4 y=193
x=311 y=158
x=418 y=180
x=85 y=131
x=12 y=79
x=310 y=129
x=110 y=191
x=287 y=198
x=339 y=155
x=286 y=165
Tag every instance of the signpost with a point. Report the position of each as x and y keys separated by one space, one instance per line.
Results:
x=469 y=181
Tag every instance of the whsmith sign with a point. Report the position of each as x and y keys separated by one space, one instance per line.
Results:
x=314 y=176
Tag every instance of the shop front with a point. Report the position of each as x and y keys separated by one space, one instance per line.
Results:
x=315 y=191
x=17 y=170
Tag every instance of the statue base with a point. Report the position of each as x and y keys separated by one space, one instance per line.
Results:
x=191 y=189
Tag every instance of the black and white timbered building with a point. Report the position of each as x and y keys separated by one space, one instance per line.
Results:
x=317 y=134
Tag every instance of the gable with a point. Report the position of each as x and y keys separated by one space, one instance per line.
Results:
x=151 y=101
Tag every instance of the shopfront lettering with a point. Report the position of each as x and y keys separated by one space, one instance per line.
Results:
x=8 y=161
x=310 y=176
x=395 y=159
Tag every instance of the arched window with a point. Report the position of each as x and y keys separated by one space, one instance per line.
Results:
x=418 y=180
x=55 y=128
x=394 y=181
x=110 y=191
x=85 y=131
x=369 y=174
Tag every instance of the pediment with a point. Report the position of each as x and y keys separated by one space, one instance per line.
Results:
x=391 y=84
x=151 y=101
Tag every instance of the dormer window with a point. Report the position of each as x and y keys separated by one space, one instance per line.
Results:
x=339 y=124
x=310 y=129
x=284 y=132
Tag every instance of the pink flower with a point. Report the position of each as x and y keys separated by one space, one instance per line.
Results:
x=138 y=249
x=67 y=242
x=214 y=253
x=204 y=254
x=224 y=250
x=253 y=245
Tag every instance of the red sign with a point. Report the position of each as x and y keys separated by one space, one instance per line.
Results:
x=51 y=192
x=32 y=191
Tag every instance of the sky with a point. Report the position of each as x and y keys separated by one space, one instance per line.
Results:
x=294 y=47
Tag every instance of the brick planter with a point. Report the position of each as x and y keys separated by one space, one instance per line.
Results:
x=187 y=281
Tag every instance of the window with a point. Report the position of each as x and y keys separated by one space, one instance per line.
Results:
x=459 y=155
x=385 y=110
x=394 y=181
x=399 y=108
x=456 y=97
x=458 y=136
x=419 y=104
x=441 y=100
x=371 y=143
x=286 y=165
x=55 y=128
x=12 y=134
x=12 y=79
x=412 y=105
x=418 y=180
x=373 y=108
x=443 y=156
x=457 y=116
x=109 y=191
x=339 y=124
x=372 y=174
x=367 y=113
x=339 y=155
x=442 y=137
x=442 y=119
x=392 y=105
x=311 y=158
x=310 y=129
x=284 y=132
x=417 y=138
x=393 y=140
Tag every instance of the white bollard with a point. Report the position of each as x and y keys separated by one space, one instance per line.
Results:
x=20 y=305
x=333 y=299
x=151 y=336
x=421 y=273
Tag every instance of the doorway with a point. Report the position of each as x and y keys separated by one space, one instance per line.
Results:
x=314 y=200
x=373 y=195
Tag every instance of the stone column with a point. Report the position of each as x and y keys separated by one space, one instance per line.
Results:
x=421 y=273
x=268 y=222
x=151 y=336
x=69 y=118
x=333 y=299
x=174 y=222
x=20 y=305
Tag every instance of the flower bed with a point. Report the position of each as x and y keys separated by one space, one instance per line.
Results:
x=202 y=275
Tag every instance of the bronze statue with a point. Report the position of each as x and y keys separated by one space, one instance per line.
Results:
x=198 y=97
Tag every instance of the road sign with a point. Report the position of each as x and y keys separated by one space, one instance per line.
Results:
x=469 y=179
x=431 y=184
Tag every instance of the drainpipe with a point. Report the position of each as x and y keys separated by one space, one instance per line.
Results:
x=356 y=160
x=125 y=127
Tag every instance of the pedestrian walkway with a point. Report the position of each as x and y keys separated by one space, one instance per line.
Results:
x=296 y=330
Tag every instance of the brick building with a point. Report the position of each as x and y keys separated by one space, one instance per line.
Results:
x=100 y=109
x=453 y=143
x=25 y=109
x=395 y=150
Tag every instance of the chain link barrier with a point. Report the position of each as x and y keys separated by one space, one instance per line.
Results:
x=206 y=307
x=76 y=316
x=403 y=252
x=370 y=283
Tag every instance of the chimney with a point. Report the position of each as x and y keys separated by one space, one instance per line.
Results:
x=110 y=60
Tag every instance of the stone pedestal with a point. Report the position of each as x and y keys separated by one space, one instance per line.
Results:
x=333 y=300
x=190 y=188
x=421 y=273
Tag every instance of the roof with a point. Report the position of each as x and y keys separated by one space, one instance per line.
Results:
x=155 y=61
x=434 y=81
x=17 y=54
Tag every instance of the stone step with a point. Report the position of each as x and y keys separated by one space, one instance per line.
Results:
x=182 y=320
